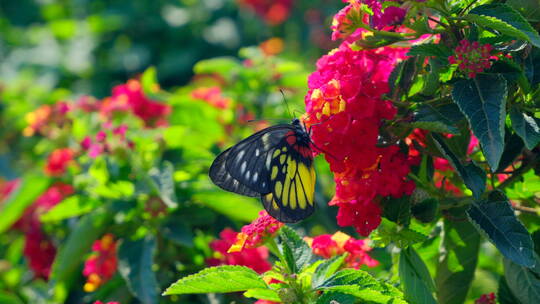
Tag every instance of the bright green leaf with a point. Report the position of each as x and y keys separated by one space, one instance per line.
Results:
x=262 y=294
x=70 y=207
x=232 y=205
x=296 y=251
x=415 y=279
x=326 y=269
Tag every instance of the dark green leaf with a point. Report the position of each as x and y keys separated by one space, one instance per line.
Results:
x=29 y=188
x=218 y=279
x=430 y=49
x=430 y=118
x=178 y=231
x=527 y=127
x=297 y=252
x=504 y=294
x=335 y=297
x=473 y=176
x=164 y=183
x=425 y=210
x=415 y=279
x=457 y=262
x=135 y=266
x=397 y=210
x=527 y=8
x=495 y=219
x=512 y=149
x=523 y=282
x=326 y=269
x=483 y=101
x=506 y=20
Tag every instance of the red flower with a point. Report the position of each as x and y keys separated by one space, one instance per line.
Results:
x=273 y=12
x=58 y=161
x=345 y=109
x=7 y=187
x=327 y=246
x=486 y=299
x=102 y=263
x=255 y=234
x=213 y=96
x=254 y=258
x=472 y=58
x=99 y=302
x=130 y=97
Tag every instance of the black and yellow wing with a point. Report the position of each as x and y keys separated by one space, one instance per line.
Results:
x=273 y=164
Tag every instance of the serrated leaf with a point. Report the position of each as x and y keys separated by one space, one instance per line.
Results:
x=163 y=179
x=332 y=297
x=496 y=220
x=483 y=101
x=218 y=279
x=512 y=149
x=363 y=286
x=135 y=266
x=263 y=294
x=415 y=279
x=506 y=20
x=527 y=127
x=429 y=118
x=326 y=269
x=457 y=262
x=297 y=252
x=524 y=284
x=389 y=232
x=430 y=49
x=29 y=188
x=473 y=176
x=397 y=210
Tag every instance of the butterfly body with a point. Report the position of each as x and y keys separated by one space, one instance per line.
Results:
x=275 y=164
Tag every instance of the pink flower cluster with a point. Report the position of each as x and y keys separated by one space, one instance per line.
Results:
x=256 y=233
x=106 y=140
x=344 y=109
x=472 y=58
x=254 y=258
x=213 y=96
x=58 y=161
x=102 y=264
x=328 y=246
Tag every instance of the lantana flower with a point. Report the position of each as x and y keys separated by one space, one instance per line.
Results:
x=102 y=263
x=472 y=58
x=255 y=234
x=58 y=161
x=213 y=96
x=488 y=298
x=273 y=12
x=254 y=258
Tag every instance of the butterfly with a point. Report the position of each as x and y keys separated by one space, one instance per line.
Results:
x=275 y=164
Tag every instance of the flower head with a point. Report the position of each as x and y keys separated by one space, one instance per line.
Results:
x=254 y=234
x=44 y=118
x=102 y=263
x=273 y=12
x=472 y=58
x=254 y=258
x=213 y=96
x=488 y=298
x=327 y=246
x=58 y=161
x=40 y=251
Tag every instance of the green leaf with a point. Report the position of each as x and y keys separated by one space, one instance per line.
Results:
x=73 y=250
x=428 y=117
x=296 y=251
x=527 y=8
x=363 y=286
x=440 y=51
x=523 y=282
x=389 y=232
x=163 y=180
x=262 y=294
x=135 y=265
x=504 y=294
x=326 y=269
x=426 y=210
x=512 y=149
x=28 y=190
x=178 y=231
x=496 y=220
x=234 y=206
x=332 y=297
x=506 y=20
x=483 y=101
x=220 y=65
x=527 y=127
x=150 y=85
x=70 y=207
x=7 y=298
x=415 y=279
x=457 y=262
x=218 y=279
x=473 y=176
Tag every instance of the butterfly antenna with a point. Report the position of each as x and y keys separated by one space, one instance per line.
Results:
x=286 y=103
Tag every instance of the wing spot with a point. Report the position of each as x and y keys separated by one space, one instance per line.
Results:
x=282 y=158
x=277 y=189
x=274 y=173
x=248 y=174
x=255 y=177
x=243 y=167
x=257 y=152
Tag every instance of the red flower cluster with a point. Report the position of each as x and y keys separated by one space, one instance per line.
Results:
x=130 y=97
x=99 y=144
x=255 y=234
x=99 y=302
x=38 y=247
x=213 y=96
x=101 y=265
x=486 y=299
x=344 y=109
x=327 y=246
x=58 y=161
x=254 y=258
x=472 y=58
x=274 y=12
x=40 y=120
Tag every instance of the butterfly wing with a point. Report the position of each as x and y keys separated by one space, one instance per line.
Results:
x=292 y=182
x=244 y=168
